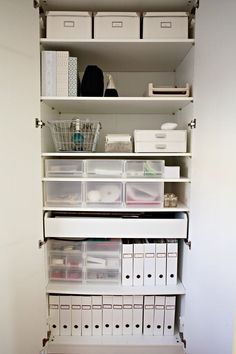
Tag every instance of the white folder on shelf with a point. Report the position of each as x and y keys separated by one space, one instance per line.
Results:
x=160 y=262
x=65 y=315
x=86 y=316
x=169 y=322
x=137 y=314
x=149 y=263
x=148 y=315
x=127 y=264
x=54 y=305
x=138 y=264
x=49 y=73
x=159 y=314
x=117 y=315
x=172 y=262
x=62 y=73
x=96 y=315
x=127 y=315
x=107 y=315
x=76 y=304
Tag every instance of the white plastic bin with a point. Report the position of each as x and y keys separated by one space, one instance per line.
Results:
x=104 y=168
x=103 y=193
x=165 y=25
x=69 y=25
x=63 y=168
x=116 y=25
x=144 y=168
x=144 y=193
x=62 y=194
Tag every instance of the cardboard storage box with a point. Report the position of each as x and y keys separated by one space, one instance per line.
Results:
x=116 y=25
x=68 y=25
x=165 y=25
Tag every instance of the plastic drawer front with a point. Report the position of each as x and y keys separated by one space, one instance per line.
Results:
x=144 y=168
x=144 y=193
x=103 y=193
x=104 y=168
x=168 y=227
x=63 y=168
x=63 y=194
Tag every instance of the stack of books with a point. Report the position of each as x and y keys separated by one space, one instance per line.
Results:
x=59 y=74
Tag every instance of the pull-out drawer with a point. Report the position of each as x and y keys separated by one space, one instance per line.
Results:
x=160 y=135
x=116 y=227
x=161 y=146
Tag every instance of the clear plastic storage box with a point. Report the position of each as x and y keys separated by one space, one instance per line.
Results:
x=144 y=168
x=104 y=168
x=144 y=193
x=63 y=194
x=103 y=193
x=63 y=168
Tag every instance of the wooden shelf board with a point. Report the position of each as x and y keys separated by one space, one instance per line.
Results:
x=77 y=289
x=118 y=105
x=133 y=155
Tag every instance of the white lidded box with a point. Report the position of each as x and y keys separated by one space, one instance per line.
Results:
x=165 y=25
x=69 y=25
x=116 y=25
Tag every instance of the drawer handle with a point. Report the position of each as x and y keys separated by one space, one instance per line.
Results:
x=69 y=23
x=160 y=146
x=160 y=135
x=118 y=24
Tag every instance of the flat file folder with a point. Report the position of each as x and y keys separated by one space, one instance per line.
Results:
x=149 y=263
x=127 y=315
x=65 y=315
x=117 y=315
x=148 y=315
x=137 y=314
x=86 y=316
x=172 y=262
x=159 y=314
x=54 y=305
x=96 y=315
x=76 y=304
x=107 y=315
x=160 y=262
x=127 y=263
x=138 y=264
x=169 y=322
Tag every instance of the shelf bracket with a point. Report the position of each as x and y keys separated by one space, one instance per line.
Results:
x=192 y=124
x=181 y=335
x=45 y=340
x=39 y=123
x=41 y=243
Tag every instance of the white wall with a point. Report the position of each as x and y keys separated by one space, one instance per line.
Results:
x=210 y=280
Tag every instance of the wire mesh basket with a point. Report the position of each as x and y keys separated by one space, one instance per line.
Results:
x=75 y=134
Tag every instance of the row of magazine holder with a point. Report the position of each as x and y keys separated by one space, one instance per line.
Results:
x=140 y=262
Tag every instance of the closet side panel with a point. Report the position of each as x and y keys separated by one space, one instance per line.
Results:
x=22 y=307
x=209 y=279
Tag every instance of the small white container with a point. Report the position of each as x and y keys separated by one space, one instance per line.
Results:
x=158 y=25
x=60 y=194
x=63 y=168
x=144 y=193
x=116 y=25
x=103 y=193
x=144 y=168
x=172 y=171
x=104 y=168
x=69 y=25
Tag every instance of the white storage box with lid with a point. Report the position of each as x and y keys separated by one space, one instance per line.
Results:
x=144 y=193
x=63 y=168
x=160 y=140
x=69 y=25
x=62 y=194
x=144 y=168
x=104 y=168
x=165 y=25
x=116 y=25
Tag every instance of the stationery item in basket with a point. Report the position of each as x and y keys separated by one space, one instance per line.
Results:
x=92 y=82
x=118 y=143
x=167 y=91
x=170 y=200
